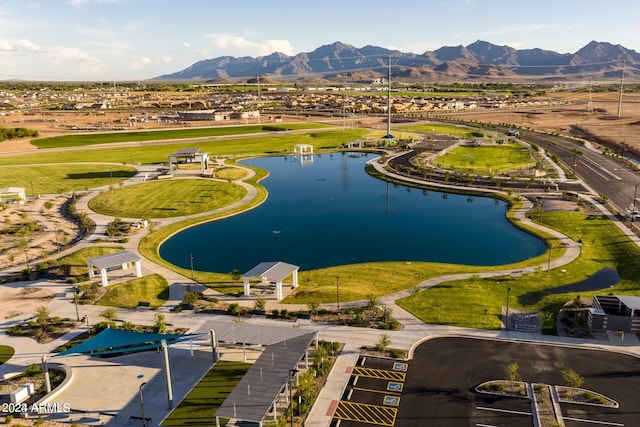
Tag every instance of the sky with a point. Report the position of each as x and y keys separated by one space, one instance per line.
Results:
x=126 y=40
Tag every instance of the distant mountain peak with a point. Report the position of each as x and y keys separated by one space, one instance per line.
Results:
x=478 y=59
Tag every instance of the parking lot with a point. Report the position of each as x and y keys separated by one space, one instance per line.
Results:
x=374 y=393
x=437 y=387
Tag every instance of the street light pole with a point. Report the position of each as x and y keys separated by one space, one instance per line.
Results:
x=191 y=260
x=338 y=292
x=506 y=321
x=144 y=421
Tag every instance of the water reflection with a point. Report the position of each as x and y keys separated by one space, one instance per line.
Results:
x=329 y=212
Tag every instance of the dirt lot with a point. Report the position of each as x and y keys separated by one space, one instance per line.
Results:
x=33 y=230
x=18 y=301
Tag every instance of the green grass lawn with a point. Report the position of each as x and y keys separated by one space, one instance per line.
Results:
x=150 y=154
x=75 y=263
x=6 y=353
x=230 y=173
x=486 y=159
x=200 y=405
x=150 y=244
x=61 y=178
x=158 y=135
x=167 y=198
x=478 y=302
x=153 y=289
x=444 y=129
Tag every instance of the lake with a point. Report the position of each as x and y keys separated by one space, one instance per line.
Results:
x=328 y=211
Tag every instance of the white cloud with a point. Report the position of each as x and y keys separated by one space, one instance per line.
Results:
x=139 y=63
x=186 y=44
x=166 y=59
x=231 y=44
x=53 y=55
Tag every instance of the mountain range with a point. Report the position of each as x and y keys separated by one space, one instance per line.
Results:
x=480 y=61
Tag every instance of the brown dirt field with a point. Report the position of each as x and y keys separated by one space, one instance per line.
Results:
x=600 y=120
x=43 y=239
x=18 y=301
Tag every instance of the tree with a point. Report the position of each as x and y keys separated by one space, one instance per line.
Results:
x=160 y=323
x=321 y=361
x=259 y=304
x=313 y=307
x=511 y=372
x=190 y=298
x=372 y=302
x=383 y=342
x=42 y=315
x=235 y=275
x=387 y=312
x=109 y=315
x=572 y=378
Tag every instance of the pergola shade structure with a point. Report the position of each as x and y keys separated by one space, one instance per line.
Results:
x=271 y=272
x=107 y=262
x=303 y=149
x=13 y=193
x=258 y=392
x=189 y=155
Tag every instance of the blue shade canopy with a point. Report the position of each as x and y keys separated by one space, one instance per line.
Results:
x=388 y=136
x=118 y=340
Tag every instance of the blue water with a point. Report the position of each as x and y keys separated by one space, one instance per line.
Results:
x=329 y=212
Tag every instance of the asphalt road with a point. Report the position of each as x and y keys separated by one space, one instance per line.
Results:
x=600 y=172
x=439 y=389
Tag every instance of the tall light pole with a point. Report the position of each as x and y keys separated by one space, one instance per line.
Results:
x=506 y=320
x=144 y=421
x=191 y=261
x=338 y=292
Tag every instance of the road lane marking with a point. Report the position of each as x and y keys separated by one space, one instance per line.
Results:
x=373 y=390
x=381 y=374
x=607 y=423
x=506 y=411
x=366 y=413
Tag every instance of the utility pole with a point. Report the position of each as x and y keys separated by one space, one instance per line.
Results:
x=389 y=100
x=621 y=88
